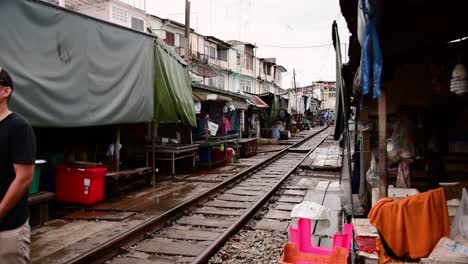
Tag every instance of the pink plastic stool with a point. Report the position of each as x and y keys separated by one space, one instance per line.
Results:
x=302 y=237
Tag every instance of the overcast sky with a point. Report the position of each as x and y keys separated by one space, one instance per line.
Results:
x=268 y=23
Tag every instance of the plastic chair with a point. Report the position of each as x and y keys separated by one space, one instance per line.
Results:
x=292 y=255
x=302 y=237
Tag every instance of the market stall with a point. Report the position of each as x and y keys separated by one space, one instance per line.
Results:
x=219 y=115
x=412 y=132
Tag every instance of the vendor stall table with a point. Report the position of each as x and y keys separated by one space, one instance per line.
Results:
x=214 y=142
x=172 y=153
x=248 y=147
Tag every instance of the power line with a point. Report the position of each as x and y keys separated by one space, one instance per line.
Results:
x=294 y=47
x=298 y=47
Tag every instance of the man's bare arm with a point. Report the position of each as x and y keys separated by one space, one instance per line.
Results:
x=24 y=177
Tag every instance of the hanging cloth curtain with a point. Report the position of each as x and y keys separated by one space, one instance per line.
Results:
x=173 y=97
x=371 y=55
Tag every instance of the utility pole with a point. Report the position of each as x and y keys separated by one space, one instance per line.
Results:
x=295 y=94
x=187 y=30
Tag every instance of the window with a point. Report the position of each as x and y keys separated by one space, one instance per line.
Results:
x=222 y=53
x=138 y=24
x=265 y=88
x=249 y=62
x=212 y=82
x=246 y=86
x=221 y=82
x=268 y=70
x=119 y=15
x=212 y=53
x=182 y=41
x=238 y=59
x=170 y=38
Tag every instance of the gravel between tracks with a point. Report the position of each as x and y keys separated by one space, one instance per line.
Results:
x=252 y=246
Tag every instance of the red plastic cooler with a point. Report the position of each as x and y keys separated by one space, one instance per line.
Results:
x=79 y=185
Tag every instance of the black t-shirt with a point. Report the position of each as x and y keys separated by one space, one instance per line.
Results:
x=17 y=146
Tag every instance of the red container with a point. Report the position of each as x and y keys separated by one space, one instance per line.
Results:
x=79 y=185
x=229 y=156
x=218 y=155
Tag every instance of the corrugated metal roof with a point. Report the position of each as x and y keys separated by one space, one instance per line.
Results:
x=204 y=97
x=257 y=102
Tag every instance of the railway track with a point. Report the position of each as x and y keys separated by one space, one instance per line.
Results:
x=193 y=231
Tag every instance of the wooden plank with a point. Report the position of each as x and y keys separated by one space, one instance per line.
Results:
x=332 y=201
x=126 y=260
x=217 y=211
x=237 y=191
x=238 y=198
x=382 y=163
x=104 y=216
x=278 y=214
x=199 y=220
x=275 y=225
x=295 y=192
x=284 y=206
x=197 y=234
x=289 y=199
x=233 y=205
x=322 y=186
x=168 y=247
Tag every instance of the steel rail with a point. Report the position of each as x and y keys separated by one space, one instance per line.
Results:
x=247 y=216
x=113 y=247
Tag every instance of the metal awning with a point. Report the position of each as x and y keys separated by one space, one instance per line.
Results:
x=257 y=102
x=239 y=105
x=205 y=97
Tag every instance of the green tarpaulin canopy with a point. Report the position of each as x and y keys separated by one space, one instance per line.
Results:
x=173 y=99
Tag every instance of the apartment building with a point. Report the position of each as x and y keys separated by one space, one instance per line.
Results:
x=228 y=65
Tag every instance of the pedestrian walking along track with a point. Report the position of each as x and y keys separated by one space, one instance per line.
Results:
x=193 y=231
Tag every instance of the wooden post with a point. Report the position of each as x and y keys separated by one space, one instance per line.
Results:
x=365 y=157
x=117 y=150
x=383 y=144
x=153 y=160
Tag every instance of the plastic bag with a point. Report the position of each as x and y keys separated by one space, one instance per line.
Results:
x=400 y=146
x=310 y=210
x=403 y=177
x=460 y=222
x=372 y=175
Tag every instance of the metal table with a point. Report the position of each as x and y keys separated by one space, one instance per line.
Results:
x=214 y=141
x=248 y=146
x=172 y=153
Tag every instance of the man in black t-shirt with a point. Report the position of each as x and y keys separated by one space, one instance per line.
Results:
x=17 y=157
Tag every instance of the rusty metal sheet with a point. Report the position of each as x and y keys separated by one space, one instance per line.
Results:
x=278 y=214
x=217 y=211
x=196 y=234
x=170 y=247
x=268 y=224
x=223 y=204
x=200 y=220
x=239 y=198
